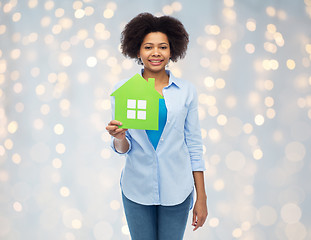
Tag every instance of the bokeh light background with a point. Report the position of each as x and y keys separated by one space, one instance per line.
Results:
x=250 y=61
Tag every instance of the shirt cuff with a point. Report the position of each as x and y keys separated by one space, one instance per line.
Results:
x=198 y=165
x=114 y=149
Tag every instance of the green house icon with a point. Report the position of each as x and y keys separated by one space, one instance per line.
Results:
x=137 y=104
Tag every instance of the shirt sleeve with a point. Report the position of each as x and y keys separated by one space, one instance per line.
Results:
x=127 y=135
x=193 y=134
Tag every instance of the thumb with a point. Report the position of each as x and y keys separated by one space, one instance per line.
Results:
x=194 y=218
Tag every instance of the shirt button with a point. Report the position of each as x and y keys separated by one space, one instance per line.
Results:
x=162 y=139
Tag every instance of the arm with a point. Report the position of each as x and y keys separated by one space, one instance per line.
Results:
x=200 y=207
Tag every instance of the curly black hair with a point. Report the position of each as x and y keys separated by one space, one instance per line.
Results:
x=135 y=31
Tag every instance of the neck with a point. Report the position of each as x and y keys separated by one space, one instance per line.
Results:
x=160 y=77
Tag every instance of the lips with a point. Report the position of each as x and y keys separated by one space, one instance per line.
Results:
x=155 y=61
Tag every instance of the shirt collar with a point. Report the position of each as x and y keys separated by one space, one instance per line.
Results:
x=172 y=78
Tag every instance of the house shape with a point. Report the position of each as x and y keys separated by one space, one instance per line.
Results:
x=137 y=104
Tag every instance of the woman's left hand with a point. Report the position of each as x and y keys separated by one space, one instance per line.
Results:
x=199 y=213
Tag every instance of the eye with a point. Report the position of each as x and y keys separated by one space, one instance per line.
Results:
x=164 y=47
x=147 y=47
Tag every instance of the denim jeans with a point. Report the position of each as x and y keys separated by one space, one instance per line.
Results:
x=156 y=222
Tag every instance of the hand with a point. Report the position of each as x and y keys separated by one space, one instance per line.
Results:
x=199 y=213
x=115 y=131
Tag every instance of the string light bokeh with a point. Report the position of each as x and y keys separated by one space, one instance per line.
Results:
x=59 y=60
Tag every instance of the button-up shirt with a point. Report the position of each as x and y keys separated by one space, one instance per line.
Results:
x=164 y=176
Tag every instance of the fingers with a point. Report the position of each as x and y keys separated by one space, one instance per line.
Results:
x=198 y=221
x=114 y=130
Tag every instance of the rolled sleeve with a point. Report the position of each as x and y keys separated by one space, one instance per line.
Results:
x=114 y=149
x=193 y=135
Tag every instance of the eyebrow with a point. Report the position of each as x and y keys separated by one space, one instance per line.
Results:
x=159 y=43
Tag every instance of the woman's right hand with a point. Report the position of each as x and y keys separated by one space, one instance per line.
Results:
x=115 y=131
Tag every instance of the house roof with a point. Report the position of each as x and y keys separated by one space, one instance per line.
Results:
x=137 y=86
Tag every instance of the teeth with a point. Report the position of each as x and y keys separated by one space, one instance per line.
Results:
x=155 y=61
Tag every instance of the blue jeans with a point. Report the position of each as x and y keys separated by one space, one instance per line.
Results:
x=156 y=222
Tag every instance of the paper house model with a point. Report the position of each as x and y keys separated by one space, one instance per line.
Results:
x=137 y=104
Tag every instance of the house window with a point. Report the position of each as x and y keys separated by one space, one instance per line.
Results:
x=136 y=109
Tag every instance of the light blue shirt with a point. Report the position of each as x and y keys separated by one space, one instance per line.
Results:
x=155 y=135
x=164 y=176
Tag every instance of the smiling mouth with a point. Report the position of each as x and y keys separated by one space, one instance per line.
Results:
x=155 y=61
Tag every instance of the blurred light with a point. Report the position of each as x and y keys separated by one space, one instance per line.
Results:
x=267 y=215
x=296 y=231
x=247 y=128
x=290 y=64
x=16 y=17
x=12 y=127
x=253 y=140
x=59 y=12
x=270 y=11
x=115 y=205
x=32 y=3
x=57 y=163
x=77 y=5
x=268 y=84
x=259 y=120
x=214 y=135
x=291 y=213
x=89 y=11
x=220 y=83
x=219 y=185
x=270 y=113
x=105 y=153
x=257 y=154
x=167 y=10
x=251 y=25
x=49 y=5
x=229 y=13
x=212 y=29
x=16 y=158
x=231 y=101
x=60 y=148
x=213 y=222
x=177 y=6
x=18 y=88
x=269 y=101
x=235 y=161
x=64 y=191
x=2 y=29
x=250 y=48
x=211 y=45
x=209 y=82
x=103 y=228
x=89 y=43
x=237 y=233
x=229 y=3
x=79 y=13
x=108 y=13
x=17 y=206
x=222 y=120
x=295 y=151
x=59 y=129
x=8 y=144
x=72 y=218
x=91 y=61
x=205 y=62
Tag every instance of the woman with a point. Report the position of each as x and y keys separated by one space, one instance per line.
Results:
x=162 y=167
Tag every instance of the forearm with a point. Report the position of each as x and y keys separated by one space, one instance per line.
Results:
x=122 y=145
x=199 y=185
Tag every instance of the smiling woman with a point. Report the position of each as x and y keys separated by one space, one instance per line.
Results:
x=162 y=167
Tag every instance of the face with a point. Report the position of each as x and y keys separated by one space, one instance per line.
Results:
x=155 y=52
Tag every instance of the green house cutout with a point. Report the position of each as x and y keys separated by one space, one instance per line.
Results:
x=137 y=104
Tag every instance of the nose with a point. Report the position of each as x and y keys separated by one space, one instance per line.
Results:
x=155 y=52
